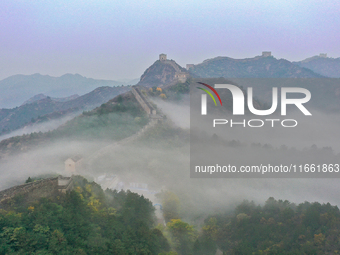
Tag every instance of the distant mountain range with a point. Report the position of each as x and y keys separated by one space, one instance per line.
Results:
x=117 y=118
x=17 y=89
x=329 y=67
x=257 y=67
x=47 y=108
x=47 y=97
x=42 y=96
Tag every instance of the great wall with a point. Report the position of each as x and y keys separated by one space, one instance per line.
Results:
x=37 y=189
x=179 y=75
x=154 y=118
x=49 y=186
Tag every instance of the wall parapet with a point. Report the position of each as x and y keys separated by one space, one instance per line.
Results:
x=24 y=188
x=37 y=189
x=154 y=118
x=65 y=184
x=142 y=101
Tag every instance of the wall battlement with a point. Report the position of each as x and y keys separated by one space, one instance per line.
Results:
x=148 y=108
x=180 y=75
x=154 y=118
x=38 y=189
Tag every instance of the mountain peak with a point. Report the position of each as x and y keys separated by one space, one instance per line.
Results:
x=163 y=72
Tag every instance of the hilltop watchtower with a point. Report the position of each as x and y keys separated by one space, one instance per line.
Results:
x=323 y=55
x=266 y=53
x=162 y=57
x=74 y=164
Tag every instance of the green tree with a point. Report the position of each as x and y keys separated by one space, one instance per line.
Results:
x=29 y=180
x=183 y=236
x=171 y=205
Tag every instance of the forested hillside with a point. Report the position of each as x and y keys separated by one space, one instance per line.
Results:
x=87 y=220
x=277 y=227
x=117 y=119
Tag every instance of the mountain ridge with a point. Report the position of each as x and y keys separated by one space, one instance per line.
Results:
x=42 y=96
x=16 y=89
x=326 y=66
x=256 y=67
x=11 y=119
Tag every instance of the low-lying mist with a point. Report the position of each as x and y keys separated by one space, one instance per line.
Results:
x=41 y=127
x=178 y=112
x=161 y=158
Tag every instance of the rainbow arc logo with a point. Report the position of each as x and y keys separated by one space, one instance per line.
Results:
x=204 y=97
x=208 y=92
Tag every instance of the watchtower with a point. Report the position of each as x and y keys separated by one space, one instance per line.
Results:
x=266 y=53
x=162 y=57
x=74 y=164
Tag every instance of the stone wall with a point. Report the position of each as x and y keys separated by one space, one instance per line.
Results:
x=115 y=146
x=142 y=101
x=154 y=118
x=180 y=75
x=34 y=190
x=65 y=184
x=174 y=65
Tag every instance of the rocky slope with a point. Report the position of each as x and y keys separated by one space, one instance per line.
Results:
x=161 y=73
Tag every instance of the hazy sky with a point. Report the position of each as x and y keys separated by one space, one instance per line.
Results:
x=120 y=39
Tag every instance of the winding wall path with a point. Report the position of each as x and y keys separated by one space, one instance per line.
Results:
x=153 y=120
